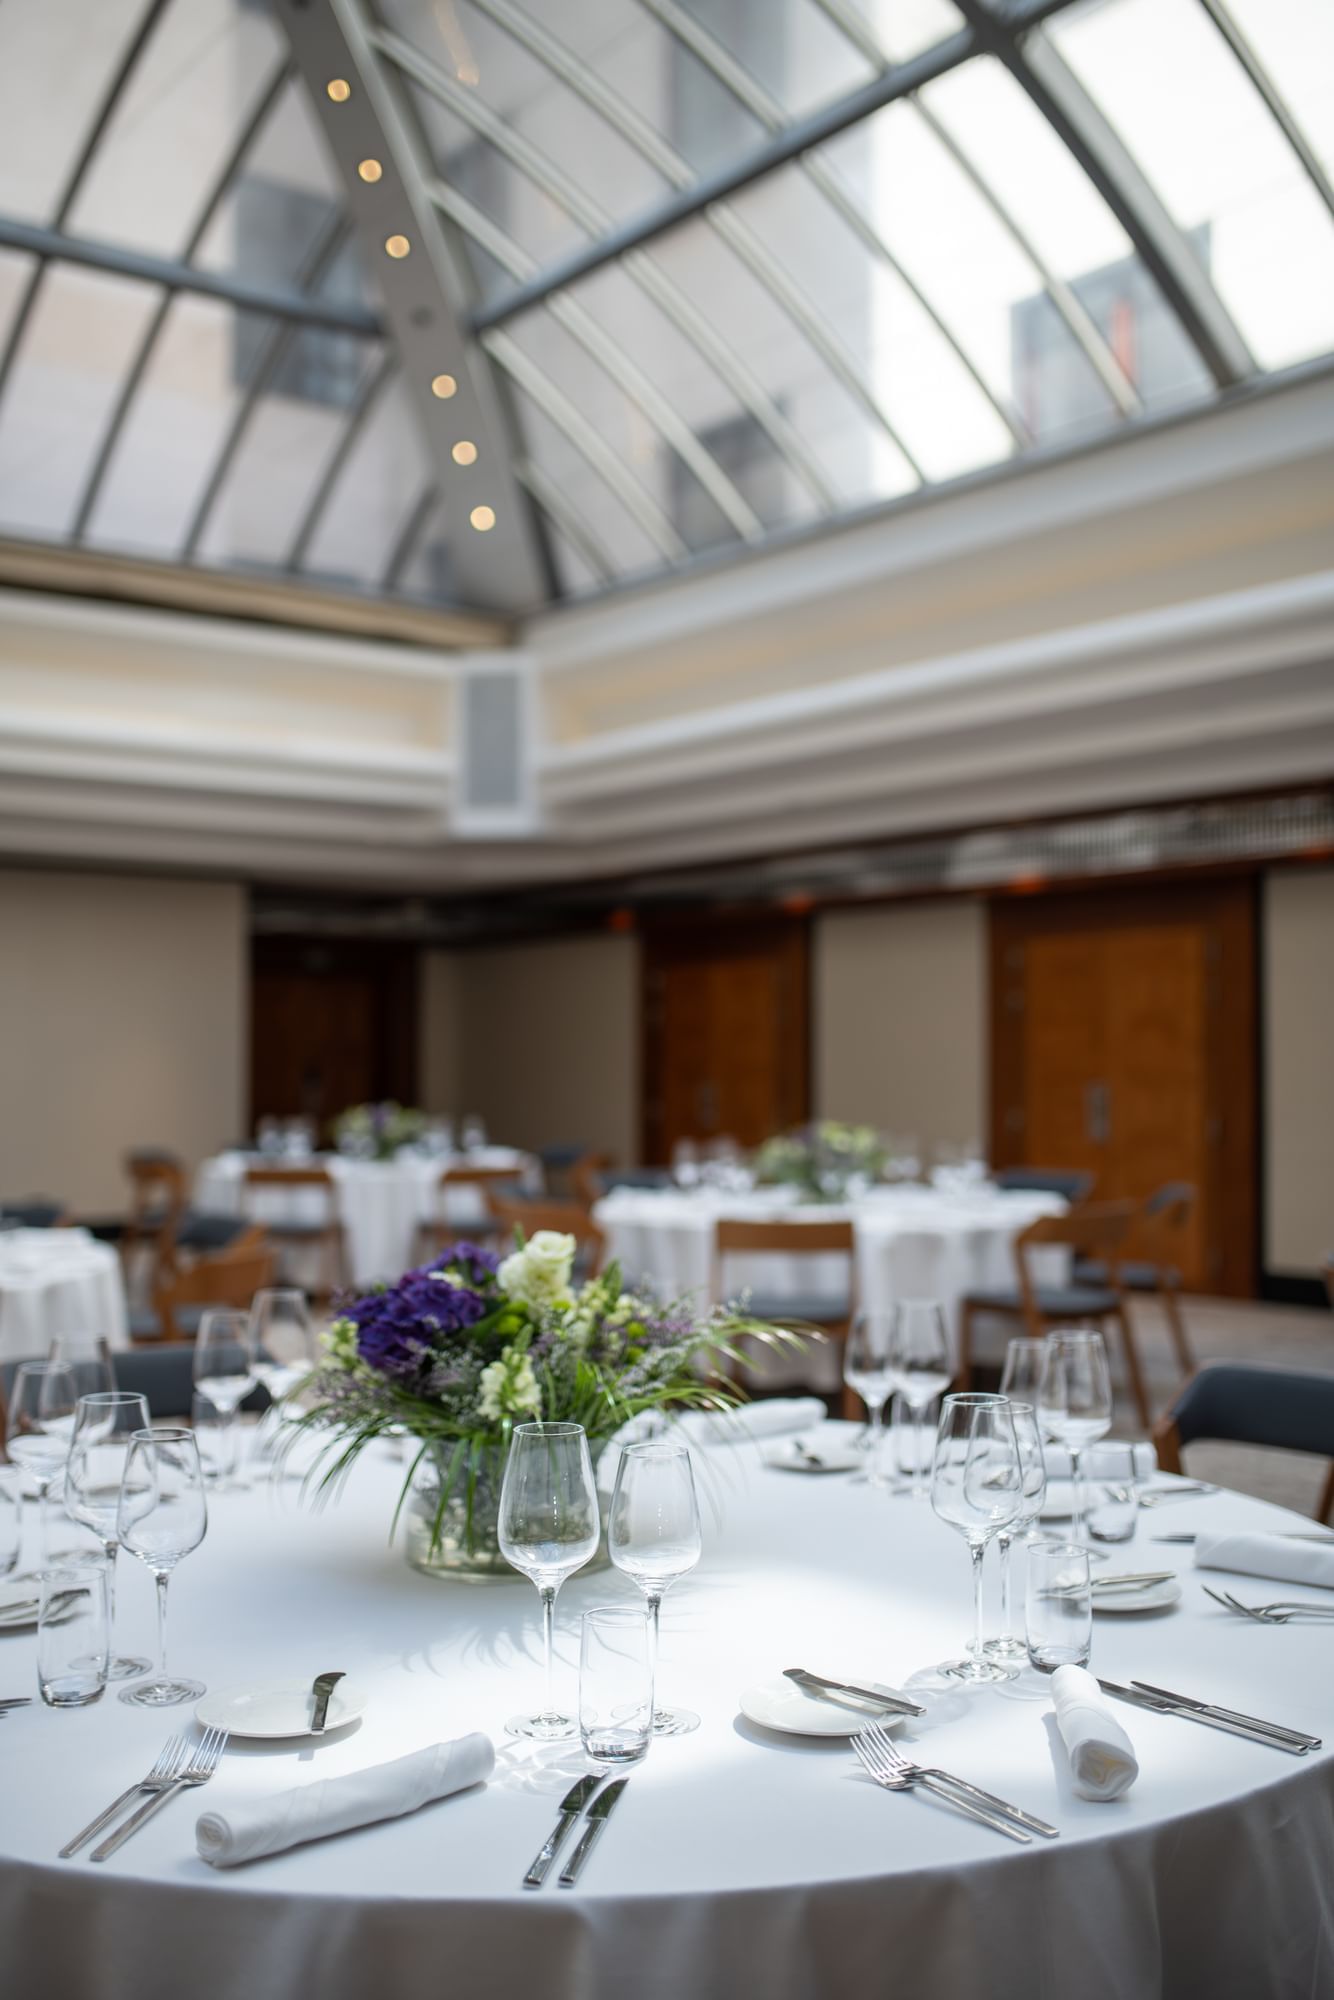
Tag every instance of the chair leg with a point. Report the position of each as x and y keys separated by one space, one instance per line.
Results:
x=1176 y=1326
x=1326 y=1507
x=1133 y=1369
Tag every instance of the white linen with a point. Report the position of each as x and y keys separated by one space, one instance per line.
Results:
x=1102 y=1757
x=337 y=1805
x=55 y=1281
x=770 y=1418
x=738 y=1863
x=1267 y=1555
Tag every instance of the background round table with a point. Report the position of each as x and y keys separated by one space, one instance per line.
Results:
x=55 y=1281
x=740 y=1862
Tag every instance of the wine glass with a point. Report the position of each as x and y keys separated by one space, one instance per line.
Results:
x=88 y=1358
x=38 y=1428
x=977 y=1487
x=104 y=1424
x=1025 y=1359
x=548 y=1528
x=867 y=1370
x=224 y=1369
x=283 y=1347
x=161 y=1517
x=919 y=1360
x=653 y=1535
x=1075 y=1403
x=1033 y=1472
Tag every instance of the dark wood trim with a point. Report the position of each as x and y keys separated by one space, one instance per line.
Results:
x=1286 y=1289
x=394 y=968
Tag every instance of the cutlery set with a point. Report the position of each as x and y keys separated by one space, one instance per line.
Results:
x=1162 y=1700
x=582 y=1797
x=1270 y=1614
x=883 y=1761
x=882 y=1698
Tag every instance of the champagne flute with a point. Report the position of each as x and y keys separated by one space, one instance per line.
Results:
x=1075 y=1403
x=919 y=1361
x=104 y=1424
x=867 y=1370
x=38 y=1428
x=548 y=1528
x=977 y=1487
x=1033 y=1471
x=653 y=1536
x=1025 y=1359
x=224 y=1370
x=161 y=1517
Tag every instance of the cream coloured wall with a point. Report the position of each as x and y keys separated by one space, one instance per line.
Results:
x=123 y=1021
x=1298 y=1058
x=899 y=1019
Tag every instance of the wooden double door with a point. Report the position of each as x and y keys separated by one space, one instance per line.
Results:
x=1123 y=1042
x=331 y=1024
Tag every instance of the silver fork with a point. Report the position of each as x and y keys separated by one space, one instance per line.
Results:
x=203 y=1763
x=170 y=1759
x=884 y=1773
x=880 y=1738
x=1268 y=1614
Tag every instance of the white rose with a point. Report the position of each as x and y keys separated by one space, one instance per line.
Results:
x=538 y=1276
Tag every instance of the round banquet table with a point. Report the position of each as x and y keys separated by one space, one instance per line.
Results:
x=58 y=1281
x=381 y=1203
x=740 y=1862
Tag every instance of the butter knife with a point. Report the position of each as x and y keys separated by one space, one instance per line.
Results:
x=570 y=1808
x=323 y=1687
x=1254 y=1734
x=1232 y=1714
x=601 y=1810
x=897 y=1704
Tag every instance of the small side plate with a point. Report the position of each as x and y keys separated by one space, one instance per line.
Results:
x=781 y=1705
x=783 y=1456
x=277 y=1708
x=1153 y=1597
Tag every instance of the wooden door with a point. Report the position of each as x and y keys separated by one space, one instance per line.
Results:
x=725 y=1034
x=329 y=1027
x=1123 y=1044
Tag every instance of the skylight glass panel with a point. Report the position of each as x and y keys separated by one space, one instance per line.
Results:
x=790 y=47
x=904 y=28
x=57 y=61
x=1294 y=43
x=372 y=498
x=280 y=202
x=626 y=547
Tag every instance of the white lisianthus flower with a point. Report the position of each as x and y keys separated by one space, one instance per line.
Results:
x=340 y=1343
x=538 y=1276
x=508 y=1388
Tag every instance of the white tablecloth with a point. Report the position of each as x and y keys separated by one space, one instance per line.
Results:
x=381 y=1203
x=740 y=1863
x=57 y=1281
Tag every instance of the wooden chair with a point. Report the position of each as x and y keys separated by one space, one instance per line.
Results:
x=230 y=1279
x=1230 y=1402
x=794 y=1239
x=437 y=1232
x=1161 y=1219
x=569 y=1218
x=586 y=1177
x=1100 y=1229
x=323 y=1235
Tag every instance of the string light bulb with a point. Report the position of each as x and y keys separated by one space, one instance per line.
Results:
x=338 y=89
x=482 y=518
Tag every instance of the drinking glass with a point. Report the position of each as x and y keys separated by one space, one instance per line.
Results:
x=977 y=1487
x=1113 y=1508
x=73 y=1632
x=1033 y=1472
x=919 y=1359
x=653 y=1535
x=1059 y=1606
x=283 y=1346
x=11 y=1523
x=212 y=1437
x=162 y=1516
x=103 y=1427
x=88 y=1358
x=616 y=1713
x=1075 y=1404
x=548 y=1528
x=38 y=1428
x=1025 y=1359
x=912 y=1441
x=224 y=1369
x=867 y=1371
x=472 y=1136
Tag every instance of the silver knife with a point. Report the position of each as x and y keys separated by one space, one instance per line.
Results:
x=570 y=1808
x=1286 y=1535
x=1161 y=1707
x=898 y=1704
x=1129 y=1582
x=322 y=1688
x=601 y=1810
x=1232 y=1714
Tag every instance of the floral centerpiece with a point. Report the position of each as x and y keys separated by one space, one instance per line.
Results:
x=827 y=1161
x=460 y=1350
x=377 y=1131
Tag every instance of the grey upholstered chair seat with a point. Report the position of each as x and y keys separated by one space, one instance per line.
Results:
x=1053 y=1301
x=1134 y=1277
x=821 y=1308
x=1069 y=1182
x=1282 y=1407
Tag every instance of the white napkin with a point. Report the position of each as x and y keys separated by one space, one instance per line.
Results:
x=770 y=1418
x=1102 y=1756
x=336 y=1805
x=1268 y=1555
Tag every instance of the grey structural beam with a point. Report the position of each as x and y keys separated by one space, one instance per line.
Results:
x=1273 y=98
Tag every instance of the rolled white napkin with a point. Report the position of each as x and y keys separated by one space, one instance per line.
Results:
x=336 y=1805
x=1268 y=1555
x=1102 y=1756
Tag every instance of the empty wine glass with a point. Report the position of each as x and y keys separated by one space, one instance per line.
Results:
x=104 y=1424
x=867 y=1371
x=1033 y=1470
x=653 y=1535
x=38 y=1428
x=224 y=1370
x=88 y=1358
x=283 y=1347
x=1075 y=1404
x=919 y=1360
x=548 y=1528
x=161 y=1517
x=1021 y=1377
x=977 y=1487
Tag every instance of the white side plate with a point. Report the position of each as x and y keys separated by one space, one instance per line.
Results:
x=277 y=1708
x=1153 y=1597
x=782 y=1705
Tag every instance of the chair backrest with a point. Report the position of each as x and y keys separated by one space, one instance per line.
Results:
x=1098 y=1228
x=488 y=1177
x=785 y=1239
x=568 y=1218
x=1071 y=1183
x=1171 y=1203
x=585 y=1176
x=288 y=1177
x=157 y=1186
x=1286 y=1408
x=229 y=1279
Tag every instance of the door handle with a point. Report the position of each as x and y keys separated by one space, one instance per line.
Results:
x=1097 y=1113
